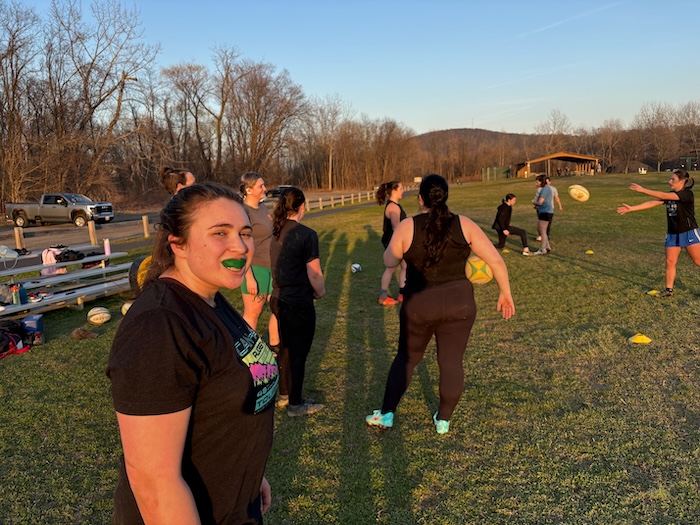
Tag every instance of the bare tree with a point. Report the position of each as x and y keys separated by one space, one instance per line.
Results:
x=553 y=131
x=18 y=31
x=327 y=116
x=266 y=107
x=222 y=91
x=91 y=67
x=631 y=147
x=609 y=136
x=655 y=120
x=688 y=122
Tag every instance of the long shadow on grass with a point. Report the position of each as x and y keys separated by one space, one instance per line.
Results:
x=597 y=270
x=300 y=453
x=379 y=458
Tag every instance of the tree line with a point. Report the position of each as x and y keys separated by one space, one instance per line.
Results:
x=84 y=107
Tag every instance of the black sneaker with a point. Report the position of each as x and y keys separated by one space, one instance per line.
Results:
x=305 y=409
x=665 y=293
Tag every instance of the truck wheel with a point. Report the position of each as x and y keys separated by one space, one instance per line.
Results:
x=80 y=220
x=21 y=220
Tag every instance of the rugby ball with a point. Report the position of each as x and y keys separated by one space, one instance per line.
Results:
x=138 y=272
x=126 y=306
x=98 y=315
x=477 y=271
x=356 y=268
x=579 y=193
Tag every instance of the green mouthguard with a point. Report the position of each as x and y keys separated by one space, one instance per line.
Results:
x=234 y=263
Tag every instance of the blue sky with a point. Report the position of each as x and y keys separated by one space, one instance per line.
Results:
x=442 y=64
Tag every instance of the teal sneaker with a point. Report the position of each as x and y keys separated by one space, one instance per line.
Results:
x=442 y=426
x=377 y=419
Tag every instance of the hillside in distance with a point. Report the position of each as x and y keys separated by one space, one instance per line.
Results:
x=475 y=135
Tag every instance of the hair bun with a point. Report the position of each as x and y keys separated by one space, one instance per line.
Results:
x=437 y=195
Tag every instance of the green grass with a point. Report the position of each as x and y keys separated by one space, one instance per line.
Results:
x=562 y=420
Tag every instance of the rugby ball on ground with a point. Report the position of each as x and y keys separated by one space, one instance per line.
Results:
x=477 y=271
x=579 y=193
x=98 y=315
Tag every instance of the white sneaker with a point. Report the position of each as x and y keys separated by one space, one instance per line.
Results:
x=527 y=253
x=540 y=252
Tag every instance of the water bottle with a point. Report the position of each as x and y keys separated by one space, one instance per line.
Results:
x=108 y=247
x=15 y=294
x=23 y=299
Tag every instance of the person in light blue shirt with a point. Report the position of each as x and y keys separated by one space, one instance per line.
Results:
x=544 y=204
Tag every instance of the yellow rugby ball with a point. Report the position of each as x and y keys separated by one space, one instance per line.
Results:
x=477 y=271
x=579 y=193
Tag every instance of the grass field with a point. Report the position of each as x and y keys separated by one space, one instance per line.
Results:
x=561 y=421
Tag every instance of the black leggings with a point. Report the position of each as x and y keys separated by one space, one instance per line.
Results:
x=513 y=231
x=447 y=311
x=297 y=326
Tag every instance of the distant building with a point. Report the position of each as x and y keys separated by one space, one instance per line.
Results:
x=571 y=163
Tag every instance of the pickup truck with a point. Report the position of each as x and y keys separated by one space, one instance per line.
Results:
x=58 y=207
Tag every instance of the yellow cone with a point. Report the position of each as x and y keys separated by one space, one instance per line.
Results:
x=589 y=252
x=653 y=292
x=639 y=339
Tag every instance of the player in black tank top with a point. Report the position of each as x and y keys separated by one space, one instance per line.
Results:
x=390 y=193
x=439 y=300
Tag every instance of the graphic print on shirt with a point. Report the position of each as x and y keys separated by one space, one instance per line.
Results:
x=672 y=208
x=257 y=356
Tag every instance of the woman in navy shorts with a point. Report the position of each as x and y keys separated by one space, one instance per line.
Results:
x=682 y=225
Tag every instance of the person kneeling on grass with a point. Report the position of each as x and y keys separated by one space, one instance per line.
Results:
x=502 y=224
x=682 y=225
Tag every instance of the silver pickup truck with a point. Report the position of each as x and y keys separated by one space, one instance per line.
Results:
x=58 y=207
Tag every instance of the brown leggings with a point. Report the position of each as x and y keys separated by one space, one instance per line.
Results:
x=448 y=312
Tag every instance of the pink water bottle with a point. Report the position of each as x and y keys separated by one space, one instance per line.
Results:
x=108 y=247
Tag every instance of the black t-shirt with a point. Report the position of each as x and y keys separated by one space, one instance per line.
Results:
x=451 y=265
x=173 y=351
x=680 y=214
x=296 y=246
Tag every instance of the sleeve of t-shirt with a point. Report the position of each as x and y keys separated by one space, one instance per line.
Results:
x=150 y=365
x=311 y=246
x=685 y=195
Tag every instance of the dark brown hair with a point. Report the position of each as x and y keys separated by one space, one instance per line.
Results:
x=684 y=176
x=176 y=219
x=172 y=177
x=433 y=190
x=288 y=204
x=384 y=191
